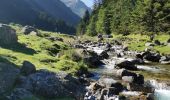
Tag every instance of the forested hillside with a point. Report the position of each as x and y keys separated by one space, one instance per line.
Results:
x=128 y=16
x=50 y=15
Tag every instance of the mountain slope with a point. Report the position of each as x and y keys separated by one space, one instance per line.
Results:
x=36 y=12
x=77 y=6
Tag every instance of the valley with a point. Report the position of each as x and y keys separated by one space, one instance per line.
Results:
x=68 y=50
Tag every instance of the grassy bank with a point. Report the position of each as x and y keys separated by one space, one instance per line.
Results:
x=41 y=51
x=137 y=42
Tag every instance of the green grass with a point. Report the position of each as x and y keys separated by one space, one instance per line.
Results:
x=137 y=42
x=40 y=51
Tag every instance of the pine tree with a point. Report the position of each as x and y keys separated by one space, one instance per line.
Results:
x=81 y=29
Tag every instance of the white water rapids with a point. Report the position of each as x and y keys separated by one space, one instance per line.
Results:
x=162 y=91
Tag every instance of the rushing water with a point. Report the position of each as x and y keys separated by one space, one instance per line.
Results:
x=162 y=94
x=162 y=91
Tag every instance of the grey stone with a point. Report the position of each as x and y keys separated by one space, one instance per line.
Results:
x=126 y=65
x=21 y=94
x=141 y=88
x=7 y=35
x=29 y=29
x=28 y=68
x=8 y=76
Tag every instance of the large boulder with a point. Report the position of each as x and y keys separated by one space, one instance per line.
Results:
x=126 y=65
x=52 y=84
x=7 y=35
x=8 y=76
x=27 y=68
x=29 y=30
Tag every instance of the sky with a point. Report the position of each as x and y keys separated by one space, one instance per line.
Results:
x=89 y=3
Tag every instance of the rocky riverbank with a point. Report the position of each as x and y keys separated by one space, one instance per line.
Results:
x=122 y=65
x=27 y=82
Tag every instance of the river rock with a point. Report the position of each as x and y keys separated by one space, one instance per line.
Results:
x=120 y=72
x=103 y=55
x=157 y=42
x=91 y=59
x=95 y=86
x=126 y=65
x=27 y=68
x=29 y=29
x=125 y=48
x=138 y=61
x=164 y=58
x=8 y=77
x=128 y=79
x=108 y=82
x=141 y=88
x=150 y=96
x=107 y=46
x=137 y=79
x=140 y=56
x=7 y=35
x=154 y=57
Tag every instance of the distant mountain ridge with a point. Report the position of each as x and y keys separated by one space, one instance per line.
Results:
x=32 y=12
x=77 y=6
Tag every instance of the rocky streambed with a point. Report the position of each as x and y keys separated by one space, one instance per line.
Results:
x=127 y=75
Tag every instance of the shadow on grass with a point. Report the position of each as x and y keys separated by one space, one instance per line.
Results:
x=18 y=47
x=4 y=59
